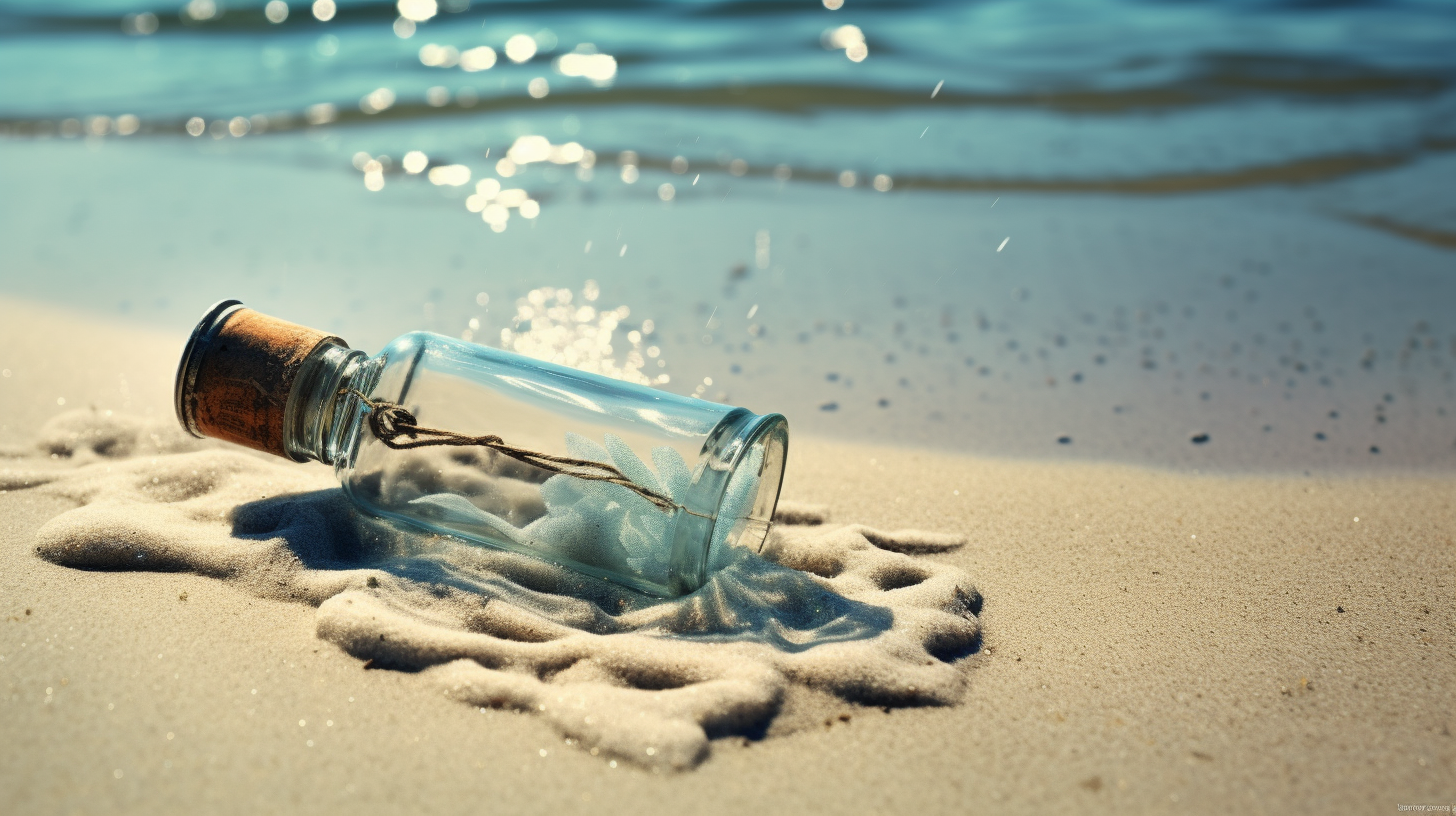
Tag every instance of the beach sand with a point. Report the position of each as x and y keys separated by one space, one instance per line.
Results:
x=1149 y=640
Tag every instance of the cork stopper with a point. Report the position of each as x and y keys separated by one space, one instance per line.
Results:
x=237 y=373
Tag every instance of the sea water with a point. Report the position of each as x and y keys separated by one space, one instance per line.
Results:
x=1194 y=234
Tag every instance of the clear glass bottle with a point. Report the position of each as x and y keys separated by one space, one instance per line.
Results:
x=292 y=391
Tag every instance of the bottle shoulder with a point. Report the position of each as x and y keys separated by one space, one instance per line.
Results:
x=406 y=346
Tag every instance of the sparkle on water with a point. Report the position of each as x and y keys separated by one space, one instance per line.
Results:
x=566 y=327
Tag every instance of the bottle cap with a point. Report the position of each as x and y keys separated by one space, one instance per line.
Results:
x=237 y=373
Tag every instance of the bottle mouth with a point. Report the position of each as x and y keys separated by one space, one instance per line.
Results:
x=740 y=474
x=751 y=493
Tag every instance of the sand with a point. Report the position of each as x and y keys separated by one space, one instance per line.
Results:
x=1123 y=638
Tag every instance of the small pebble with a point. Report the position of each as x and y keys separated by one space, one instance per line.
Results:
x=1199 y=439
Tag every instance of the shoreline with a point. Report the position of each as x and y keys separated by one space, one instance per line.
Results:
x=145 y=365
x=1127 y=325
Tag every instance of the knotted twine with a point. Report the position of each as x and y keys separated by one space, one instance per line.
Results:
x=389 y=421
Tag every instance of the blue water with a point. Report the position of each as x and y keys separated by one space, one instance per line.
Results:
x=1054 y=229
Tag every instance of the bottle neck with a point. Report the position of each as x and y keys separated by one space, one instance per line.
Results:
x=314 y=426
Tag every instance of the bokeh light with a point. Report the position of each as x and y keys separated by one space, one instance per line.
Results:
x=520 y=48
x=449 y=175
x=480 y=58
x=417 y=11
x=587 y=63
x=567 y=328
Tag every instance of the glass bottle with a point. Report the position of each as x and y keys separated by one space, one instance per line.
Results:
x=698 y=481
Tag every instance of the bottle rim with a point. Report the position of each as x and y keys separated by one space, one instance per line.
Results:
x=751 y=431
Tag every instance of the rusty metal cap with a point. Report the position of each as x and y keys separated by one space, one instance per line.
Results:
x=236 y=373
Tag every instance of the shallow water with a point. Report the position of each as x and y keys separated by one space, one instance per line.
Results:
x=1091 y=229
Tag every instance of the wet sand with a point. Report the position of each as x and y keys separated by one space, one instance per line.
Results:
x=1109 y=327
x=1152 y=640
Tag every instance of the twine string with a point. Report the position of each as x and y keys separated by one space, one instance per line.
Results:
x=389 y=422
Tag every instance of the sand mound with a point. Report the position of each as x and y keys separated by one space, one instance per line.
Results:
x=842 y=609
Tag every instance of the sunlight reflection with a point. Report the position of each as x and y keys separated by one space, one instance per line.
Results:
x=441 y=56
x=529 y=149
x=487 y=187
x=586 y=62
x=480 y=58
x=380 y=99
x=415 y=162
x=511 y=198
x=140 y=24
x=496 y=216
x=324 y=10
x=520 y=47
x=450 y=175
x=555 y=325
x=417 y=11
x=849 y=38
x=321 y=114
x=200 y=10
x=373 y=175
x=276 y=11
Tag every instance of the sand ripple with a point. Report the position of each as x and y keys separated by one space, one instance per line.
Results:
x=842 y=609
